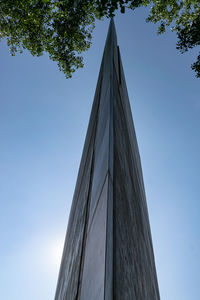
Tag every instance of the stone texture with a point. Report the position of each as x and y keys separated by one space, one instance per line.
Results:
x=108 y=250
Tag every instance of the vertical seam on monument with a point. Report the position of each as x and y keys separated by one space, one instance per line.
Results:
x=119 y=69
x=114 y=203
x=88 y=204
x=85 y=231
x=92 y=218
x=106 y=291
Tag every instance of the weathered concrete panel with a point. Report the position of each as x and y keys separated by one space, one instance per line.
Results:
x=134 y=268
x=94 y=264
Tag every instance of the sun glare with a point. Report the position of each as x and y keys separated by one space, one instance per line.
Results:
x=54 y=251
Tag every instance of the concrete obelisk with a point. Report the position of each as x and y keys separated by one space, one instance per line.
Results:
x=108 y=253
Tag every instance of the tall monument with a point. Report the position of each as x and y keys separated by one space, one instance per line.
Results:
x=108 y=252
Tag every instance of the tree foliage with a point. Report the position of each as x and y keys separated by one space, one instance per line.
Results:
x=184 y=18
x=60 y=28
x=63 y=28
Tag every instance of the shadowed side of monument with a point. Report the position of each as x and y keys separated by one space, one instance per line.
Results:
x=108 y=250
x=134 y=266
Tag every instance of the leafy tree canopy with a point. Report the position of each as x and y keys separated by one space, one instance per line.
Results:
x=63 y=28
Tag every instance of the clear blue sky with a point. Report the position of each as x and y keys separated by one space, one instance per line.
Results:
x=43 y=123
